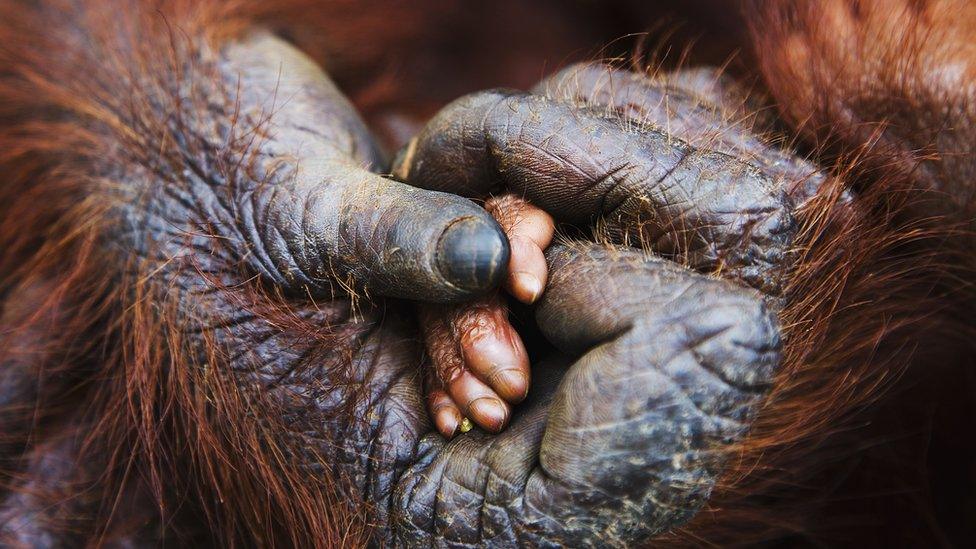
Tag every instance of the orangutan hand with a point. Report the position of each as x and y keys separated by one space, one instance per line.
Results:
x=478 y=366
x=296 y=199
x=667 y=349
x=280 y=269
x=209 y=327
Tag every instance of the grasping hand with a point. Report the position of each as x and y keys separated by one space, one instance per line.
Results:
x=478 y=366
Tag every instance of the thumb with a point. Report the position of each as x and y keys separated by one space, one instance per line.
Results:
x=338 y=222
x=324 y=223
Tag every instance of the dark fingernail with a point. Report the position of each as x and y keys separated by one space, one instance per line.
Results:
x=489 y=412
x=473 y=254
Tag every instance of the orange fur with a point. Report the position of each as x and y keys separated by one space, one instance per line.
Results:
x=156 y=417
x=874 y=323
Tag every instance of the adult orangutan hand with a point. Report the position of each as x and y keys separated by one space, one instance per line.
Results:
x=663 y=352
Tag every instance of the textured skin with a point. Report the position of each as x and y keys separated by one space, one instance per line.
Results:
x=703 y=208
x=701 y=106
x=298 y=205
x=671 y=365
x=665 y=365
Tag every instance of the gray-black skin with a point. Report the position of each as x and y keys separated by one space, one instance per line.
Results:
x=301 y=205
x=712 y=207
x=657 y=366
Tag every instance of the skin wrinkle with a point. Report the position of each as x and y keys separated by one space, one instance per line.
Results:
x=289 y=190
x=743 y=235
x=284 y=265
x=298 y=247
x=616 y=181
x=373 y=443
x=715 y=372
x=484 y=490
x=659 y=373
x=479 y=479
x=579 y=84
x=521 y=489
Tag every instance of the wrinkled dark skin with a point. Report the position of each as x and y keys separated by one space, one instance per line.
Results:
x=705 y=208
x=617 y=448
x=306 y=210
x=655 y=366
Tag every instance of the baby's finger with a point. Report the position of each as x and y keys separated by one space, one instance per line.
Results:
x=479 y=402
x=446 y=413
x=475 y=354
x=493 y=350
x=530 y=231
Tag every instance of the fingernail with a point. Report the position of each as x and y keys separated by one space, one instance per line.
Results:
x=472 y=254
x=512 y=385
x=529 y=285
x=448 y=421
x=489 y=413
x=501 y=360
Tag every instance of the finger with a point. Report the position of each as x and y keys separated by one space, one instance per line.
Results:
x=476 y=337
x=527 y=271
x=701 y=106
x=444 y=362
x=436 y=323
x=671 y=367
x=479 y=402
x=384 y=236
x=637 y=97
x=530 y=231
x=705 y=209
x=474 y=354
x=685 y=102
x=446 y=413
x=317 y=221
x=598 y=292
x=493 y=350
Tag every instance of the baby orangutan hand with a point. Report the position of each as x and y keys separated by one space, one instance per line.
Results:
x=477 y=364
